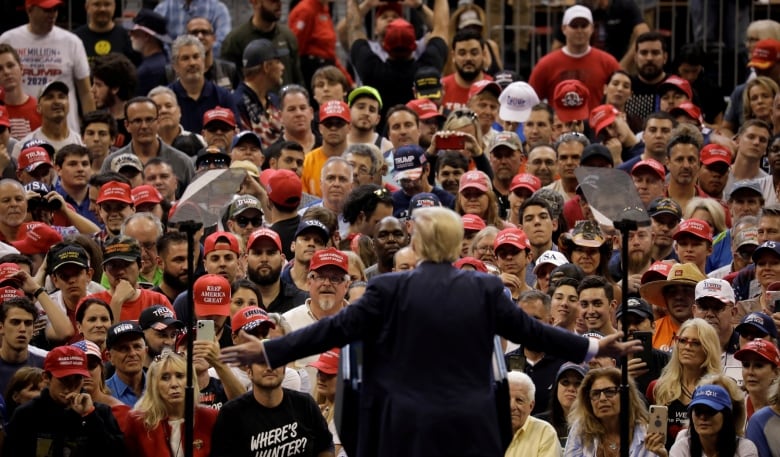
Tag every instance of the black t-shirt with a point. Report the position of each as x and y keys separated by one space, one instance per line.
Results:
x=677 y=420
x=213 y=395
x=645 y=99
x=294 y=428
x=103 y=43
x=613 y=27
x=286 y=230
x=394 y=79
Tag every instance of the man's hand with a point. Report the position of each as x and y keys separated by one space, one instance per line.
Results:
x=81 y=403
x=637 y=367
x=611 y=346
x=123 y=292
x=245 y=353
x=207 y=350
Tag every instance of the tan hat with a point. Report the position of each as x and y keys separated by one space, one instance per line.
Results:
x=681 y=273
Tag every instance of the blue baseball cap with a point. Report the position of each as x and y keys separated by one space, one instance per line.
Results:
x=423 y=200
x=716 y=397
x=758 y=321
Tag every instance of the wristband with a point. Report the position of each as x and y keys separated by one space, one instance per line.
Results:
x=38 y=291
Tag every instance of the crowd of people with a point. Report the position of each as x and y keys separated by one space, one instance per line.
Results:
x=345 y=124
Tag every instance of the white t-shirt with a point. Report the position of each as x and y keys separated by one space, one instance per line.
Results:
x=37 y=134
x=682 y=447
x=56 y=56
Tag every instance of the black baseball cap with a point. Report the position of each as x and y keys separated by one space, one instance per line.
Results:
x=124 y=329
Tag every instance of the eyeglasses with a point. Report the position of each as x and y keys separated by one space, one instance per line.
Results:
x=333 y=123
x=137 y=122
x=608 y=392
x=361 y=171
x=204 y=32
x=243 y=221
x=149 y=245
x=690 y=342
x=213 y=162
x=333 y=279
x=715 y=306
x=484 y=249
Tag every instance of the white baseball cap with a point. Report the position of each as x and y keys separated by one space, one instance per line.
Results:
x=550 y=257
x=715 y=288
x=516 y=101
x=575 y=12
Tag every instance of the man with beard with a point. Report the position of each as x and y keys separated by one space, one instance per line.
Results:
x=665 y=215
x=535 y=217
x=172 y=260
x=160 y=329
x=677 y=295
x=113 y=83
x=450 y=166
x=148 y=35
x=655 y=137
x=101 y=35
x=389 y=237
x=365 y=104
x=506 y=157
x=334 y=127
x=265 y=24
x=650 y=58
x=412 y=169
x=219 y=128
x=196 y=95
x=640 y=250
x=468 y=58
x=54 y=106
x=542 y=162
x=327 y=283
x=311 y=236
x=577 y=60
x=683 y=162
x=264 y=267
x=569 y=149
x=146 y=228
x=296 y=118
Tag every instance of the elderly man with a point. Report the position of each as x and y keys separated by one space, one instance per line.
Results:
x=715 y=304
x=506 y=156
x=532 y=436
x=126 y=351
x=677 y=295
x=146 y=228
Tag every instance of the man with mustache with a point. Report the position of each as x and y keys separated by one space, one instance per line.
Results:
x=101 y=35
x=310 y=237
x=468 y=58
x=172 y=260
x=264 y=261
x=683 y=163
x=650 y=56
x=327 y=282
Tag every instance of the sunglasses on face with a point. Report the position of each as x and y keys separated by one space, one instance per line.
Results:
x=243 y=221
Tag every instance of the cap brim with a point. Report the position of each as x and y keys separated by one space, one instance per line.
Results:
x=707 y=402
x=714 y=160
x=126 y=258
x=258 y=323
x=664 y=211
x=165 y=323
x=479 y=187
x=212 y=310
x=35 y=165
x=571 y=115
x=412 y=174
x=429 y=93
x=327 y=369
x=760 y=64
x=506 y=114
x=653 y=291
x=69 y=262
x=63 y=372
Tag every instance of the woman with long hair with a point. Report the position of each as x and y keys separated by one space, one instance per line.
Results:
x=327 y=366
x=709 y=211
x=244 y=293
x=760 y=370
x=155 y=426
x=696 y=353
x=758 y=98
x=762 y=426
x=617 y=91
x=712 y=431
x=26 y=384
x=567 y=383
x=476 y=196
x=595 y=417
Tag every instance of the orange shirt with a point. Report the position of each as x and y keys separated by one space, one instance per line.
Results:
x=312 y=167
x=131 y=309
x=665 y=330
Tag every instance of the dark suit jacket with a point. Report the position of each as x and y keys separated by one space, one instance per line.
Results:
x=428 y=344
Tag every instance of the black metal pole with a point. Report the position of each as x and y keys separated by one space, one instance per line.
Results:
x=624 y=226
x=190 y=227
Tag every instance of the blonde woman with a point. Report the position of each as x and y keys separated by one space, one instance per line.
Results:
x=695 y=354
x=758 y=98
x=760 y=370
x=595 y=417
x=155 y=426
x=708 y=210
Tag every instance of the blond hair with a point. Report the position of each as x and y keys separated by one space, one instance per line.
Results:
x=669 y=385
x=589 y=426
x=438 y=234
x=151 y=405
x=759 y=81
x=711 y=206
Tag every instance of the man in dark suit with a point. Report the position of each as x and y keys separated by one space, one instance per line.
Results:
x=428 y=348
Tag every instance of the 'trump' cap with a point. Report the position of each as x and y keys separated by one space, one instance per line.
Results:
x=696 y=227
x=763 y=348
x=329 y=256
x=122 y=330
x=66 y=361
x=765 y=54
x=570 y=100
x=757 y=321
x=715 y=288
x=408 y=162
x=158 y=317
x=516 y=101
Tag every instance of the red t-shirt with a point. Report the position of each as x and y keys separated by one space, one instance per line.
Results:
x=24 y=118
x=131 y=309
x=456 y=97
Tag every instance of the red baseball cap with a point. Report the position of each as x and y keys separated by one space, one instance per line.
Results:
x=264 y=233
x=211 y=296
x=32 y=158
x=45 y=4
x=4 y=118
x=570 y=100
x=512 y=236
x=472 y=222
x=474 y=262
x=712 y=153
x=678 y=83
x=329 y=256
x=9 y=292
x=653 y=165
x=765 y=54
x=36 y=238
x=7 y=271
x=66 y=361
x=284 y=187
x=335 y=108
x=220 y=241
x=219 y=114
x=250 y=318
x=399 y=38
x=601 y=117
x=115 y=191
x=525 y=181
x=145 y=194
x=475 y=179
x=696 y=227
x=484 y=85
x=424 y=108
x=762 y=348
x=328 y=362
x=688 y=109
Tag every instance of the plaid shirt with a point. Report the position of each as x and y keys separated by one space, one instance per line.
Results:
x=179 y=12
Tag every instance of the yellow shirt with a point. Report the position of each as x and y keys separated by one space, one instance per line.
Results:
x=535 y=438
x=312 y=167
